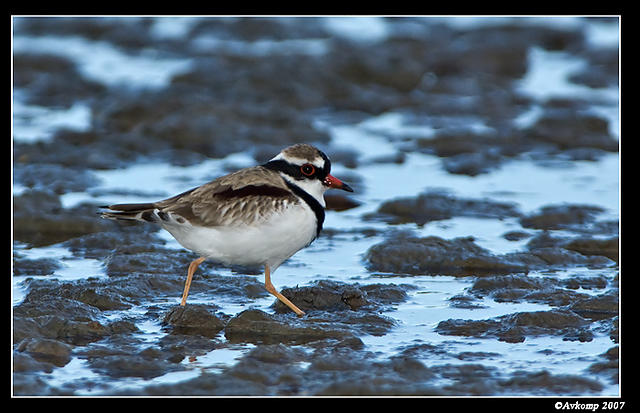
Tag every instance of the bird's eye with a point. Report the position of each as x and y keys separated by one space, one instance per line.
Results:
x=307 y=169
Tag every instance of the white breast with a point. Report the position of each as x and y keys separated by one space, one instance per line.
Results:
x=270 y=242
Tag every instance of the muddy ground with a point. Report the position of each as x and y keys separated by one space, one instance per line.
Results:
x=226 y=102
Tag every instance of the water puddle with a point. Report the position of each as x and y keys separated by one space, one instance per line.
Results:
x=103 y=62
x=70 y=267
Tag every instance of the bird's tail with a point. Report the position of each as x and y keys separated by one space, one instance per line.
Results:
x=131 y=212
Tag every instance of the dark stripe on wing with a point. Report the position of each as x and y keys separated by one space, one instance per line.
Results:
x=253 y=190
x=129 y=207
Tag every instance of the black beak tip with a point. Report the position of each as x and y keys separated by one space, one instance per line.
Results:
x=346 y=187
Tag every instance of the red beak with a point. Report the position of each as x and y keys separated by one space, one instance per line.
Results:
x=333 y=182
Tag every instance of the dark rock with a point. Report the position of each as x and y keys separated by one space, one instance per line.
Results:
x=24 y=362
x=557 y=258
x=606 y=247
x=569 y=129
x=602 y=306
x=53 y=177
x=609 y=365
x=340 y=202
x=324 y=295
x=516 y=327
x=39 y=219
x=47 y=350
x=516 y=235
x=434 y=206
x=119 y=239
x=351 y=307
x=55 y=317
x=35 y=267
x=144 y=364
x=545 y=383
x=46 y=76
x=561 y=216
x=519 y=287
x=467 y=301
x=258 y=326
x=588 y=283
x=403 y=254
x=469 y=378
x=91 y=293
x=193 y=319
x=28 y=384
x=471 y=164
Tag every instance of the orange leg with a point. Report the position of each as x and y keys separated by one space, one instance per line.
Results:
x=272 y=290
x=192 y=268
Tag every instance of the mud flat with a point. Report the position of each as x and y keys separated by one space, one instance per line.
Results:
x=478 y=255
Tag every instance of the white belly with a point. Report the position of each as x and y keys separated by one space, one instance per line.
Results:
x=270 y=242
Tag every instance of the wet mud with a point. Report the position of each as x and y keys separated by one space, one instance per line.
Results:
x=253 y=86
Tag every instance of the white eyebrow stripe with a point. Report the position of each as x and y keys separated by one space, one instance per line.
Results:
x=318 y=162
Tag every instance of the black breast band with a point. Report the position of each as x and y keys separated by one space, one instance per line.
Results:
x=312 y=202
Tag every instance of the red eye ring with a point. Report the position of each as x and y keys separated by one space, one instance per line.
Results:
x=307 y=169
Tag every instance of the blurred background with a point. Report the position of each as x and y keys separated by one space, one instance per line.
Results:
x=490 y=140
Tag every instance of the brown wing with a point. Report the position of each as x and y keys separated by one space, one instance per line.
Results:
x=242 y=197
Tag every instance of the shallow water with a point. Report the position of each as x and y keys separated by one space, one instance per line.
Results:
x=530 y=181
